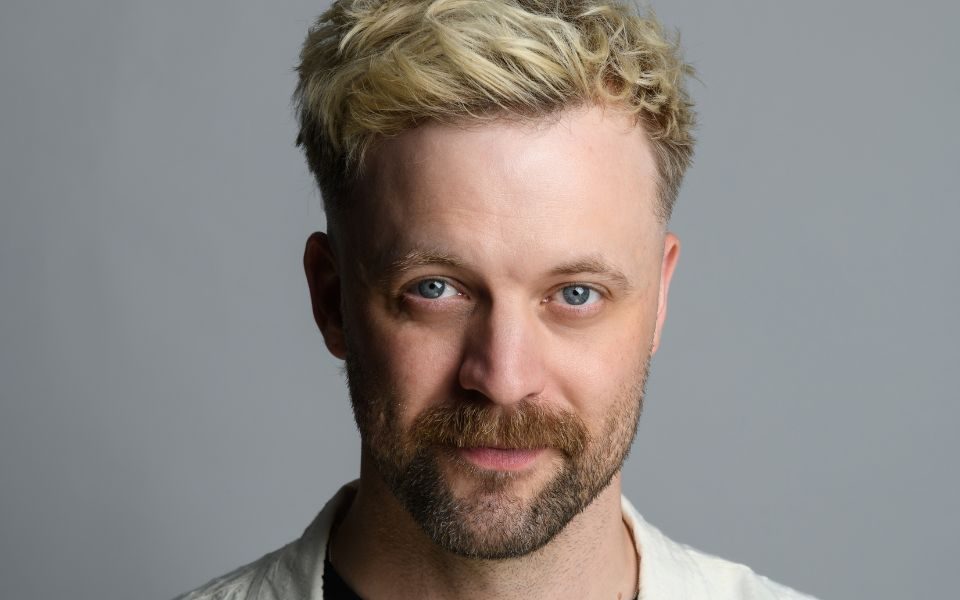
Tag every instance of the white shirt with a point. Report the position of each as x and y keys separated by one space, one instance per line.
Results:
x=668 y=570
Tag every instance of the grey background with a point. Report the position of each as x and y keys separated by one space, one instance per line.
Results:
x=168 y=411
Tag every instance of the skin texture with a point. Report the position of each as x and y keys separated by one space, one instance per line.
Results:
x=504 y=217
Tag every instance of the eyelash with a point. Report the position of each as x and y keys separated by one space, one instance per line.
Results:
x=409 y=291
x=447 y=282
x=590 y=302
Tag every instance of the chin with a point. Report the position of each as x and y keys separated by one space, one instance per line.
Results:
x=489 y=514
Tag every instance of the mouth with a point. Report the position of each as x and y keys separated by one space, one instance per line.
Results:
x=501 y=459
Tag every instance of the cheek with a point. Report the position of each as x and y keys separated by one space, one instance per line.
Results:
x=597 y=369
x=421 y=366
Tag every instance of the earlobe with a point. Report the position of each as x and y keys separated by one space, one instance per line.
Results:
x=323 y=279
x=671 y=253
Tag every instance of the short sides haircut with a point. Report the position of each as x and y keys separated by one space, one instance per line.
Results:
x=371 y=69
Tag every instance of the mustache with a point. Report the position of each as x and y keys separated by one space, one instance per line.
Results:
x=525 y=426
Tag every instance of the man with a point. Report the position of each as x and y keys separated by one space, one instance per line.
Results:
x=497 y=177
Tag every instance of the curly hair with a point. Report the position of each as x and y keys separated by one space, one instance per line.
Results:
x=371 y=69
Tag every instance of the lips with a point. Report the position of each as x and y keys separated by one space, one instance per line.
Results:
x=501 y=459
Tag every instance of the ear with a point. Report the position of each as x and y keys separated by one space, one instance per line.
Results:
x=671 y=252
x=325 y=291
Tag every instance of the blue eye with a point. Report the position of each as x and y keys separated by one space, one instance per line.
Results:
x=578 y=295
x=435 y=288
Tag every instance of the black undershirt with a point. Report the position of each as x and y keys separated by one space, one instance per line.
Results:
x=335 y=588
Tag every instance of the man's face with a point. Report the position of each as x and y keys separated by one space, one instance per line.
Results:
x=503 y=287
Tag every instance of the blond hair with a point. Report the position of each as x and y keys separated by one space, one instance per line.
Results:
x=375 y=68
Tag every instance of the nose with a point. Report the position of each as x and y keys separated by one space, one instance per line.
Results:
x=503 y=356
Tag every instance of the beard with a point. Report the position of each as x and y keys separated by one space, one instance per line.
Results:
x=492 y=522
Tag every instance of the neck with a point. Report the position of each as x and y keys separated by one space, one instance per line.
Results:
x=382 y=553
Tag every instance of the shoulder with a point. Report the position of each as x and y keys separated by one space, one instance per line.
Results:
x=294 y=572
x=275 y=576
x=237 y=584
x=733 y=580
x=669 y=569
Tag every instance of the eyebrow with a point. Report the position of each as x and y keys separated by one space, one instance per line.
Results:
x=594 y=265
x=416 y=258
x=426 y=257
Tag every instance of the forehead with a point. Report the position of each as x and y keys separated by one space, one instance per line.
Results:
x=582 y=181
